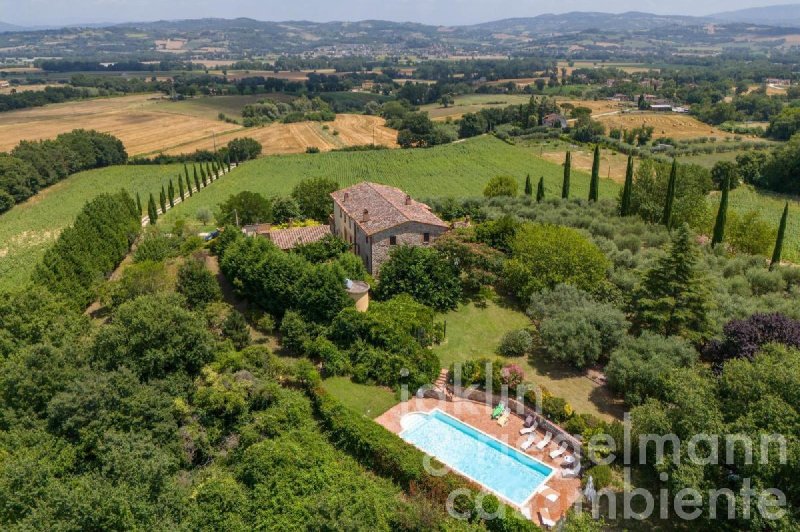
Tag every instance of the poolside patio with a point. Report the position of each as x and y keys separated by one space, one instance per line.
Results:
x=565 y=491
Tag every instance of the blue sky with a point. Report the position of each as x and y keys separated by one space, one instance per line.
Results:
x=57 y=12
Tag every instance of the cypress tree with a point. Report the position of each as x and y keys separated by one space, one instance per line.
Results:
x=540 y=190
x=776 y=254
x=215 y=168
x=139 y=203
x=186 y=173
x=171 y=191
x=567 y=171
x=151 y=210
x=722 y=214
x=196 y=179
x=627 y=190
x=594 y=184
x=180 y=186
x=528 y=185
x=228 y=160
x=163 y=200
x=666 y=218
x=203 y=176
x=189 y=187
x=209 y=174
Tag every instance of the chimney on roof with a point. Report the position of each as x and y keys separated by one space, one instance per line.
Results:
x=365 y=217
x=408 y=199
x=346 y=196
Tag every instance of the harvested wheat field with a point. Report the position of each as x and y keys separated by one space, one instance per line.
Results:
x=353 y=130
x=675 y=126
x=135 y=120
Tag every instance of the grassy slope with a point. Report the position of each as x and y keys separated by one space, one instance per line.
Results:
x=459 y=170
x=770 y=206
x=27 y=230
x=473 y=332
x=371 y=401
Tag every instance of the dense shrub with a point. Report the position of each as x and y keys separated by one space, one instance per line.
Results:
x=243 y=149
x=638 y=365
x=313 y=197
x=197 y=284
x=501 y=185
x=745 y=338
x=544 y=256
x=515 y=343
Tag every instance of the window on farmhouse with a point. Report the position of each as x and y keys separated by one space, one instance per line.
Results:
x=426 y=237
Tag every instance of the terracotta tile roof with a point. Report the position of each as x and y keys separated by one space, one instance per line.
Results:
x=385 y=207
x=297 y=236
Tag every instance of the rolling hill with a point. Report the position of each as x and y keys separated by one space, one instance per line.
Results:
x=778 y=15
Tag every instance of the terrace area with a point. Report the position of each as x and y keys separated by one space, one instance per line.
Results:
x=555 y=496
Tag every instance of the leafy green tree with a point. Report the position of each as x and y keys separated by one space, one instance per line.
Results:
x=197 y=284
x=750 y=233
x=666 y=218
x=650 y=193
x=627 y=190
x=284 y=210
x=674 y=298
x=18 y=178
x=313 y=197
x=245 y=208
x=543 y=256
x=594 y=183
x=139 y=279
x=244 y=149
x=501 y=185
x=777 y=252
x=722 y=213
x=567 y=171
x=725 y=171
x=155 y=337
x=528 y=186
x=424 y=274
x=540 y=190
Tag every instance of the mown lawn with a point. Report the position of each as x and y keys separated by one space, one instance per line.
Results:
x=474 y=332
x=371 y=401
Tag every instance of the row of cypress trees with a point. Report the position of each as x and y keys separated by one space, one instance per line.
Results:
x=209 y=171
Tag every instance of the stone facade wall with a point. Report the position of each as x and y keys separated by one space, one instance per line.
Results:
x=407 y=234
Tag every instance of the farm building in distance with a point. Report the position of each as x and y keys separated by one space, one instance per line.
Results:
x=289 y=237
x=374 y=218
x=555 y=120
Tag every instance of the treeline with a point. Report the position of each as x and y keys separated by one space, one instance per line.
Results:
x=25 y=99
x=34 y=165
x=91 y=249
x=61 y=65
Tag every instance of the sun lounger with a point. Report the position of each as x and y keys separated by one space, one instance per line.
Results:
x=503 y=420
x=529 y=430
x=572 y=473
x=498 y=411
x=550 y=494
x=542 y=444
x=558 y=452
x=544 y=517
x=527 y=444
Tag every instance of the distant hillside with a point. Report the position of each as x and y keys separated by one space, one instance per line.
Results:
x=4 y=26
x=582 y=21
x=781 y=15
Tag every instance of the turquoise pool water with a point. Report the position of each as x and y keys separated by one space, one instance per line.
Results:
x=502 y=469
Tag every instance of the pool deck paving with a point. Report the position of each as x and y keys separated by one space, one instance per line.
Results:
x=479 y=416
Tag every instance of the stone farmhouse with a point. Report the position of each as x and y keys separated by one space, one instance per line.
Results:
x=374 y=218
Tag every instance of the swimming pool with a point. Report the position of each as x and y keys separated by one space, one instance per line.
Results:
x=507 y=472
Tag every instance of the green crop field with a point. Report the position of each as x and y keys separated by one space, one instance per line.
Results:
x=457 y=170
x=471 y=103
x=28 y=229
